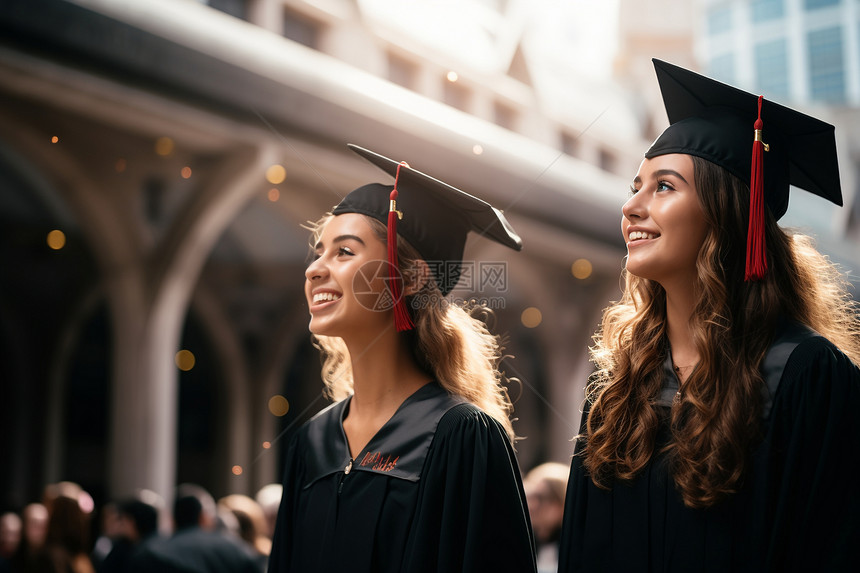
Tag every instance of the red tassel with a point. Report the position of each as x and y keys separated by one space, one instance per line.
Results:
x=756 y=265
x=402 y=321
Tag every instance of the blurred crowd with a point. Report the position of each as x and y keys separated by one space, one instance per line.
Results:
x=65 y=533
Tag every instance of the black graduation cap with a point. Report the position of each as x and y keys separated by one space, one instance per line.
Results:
x=432 y=215
x=718 y=122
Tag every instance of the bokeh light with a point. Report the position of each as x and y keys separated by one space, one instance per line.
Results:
x=531 y=317
x=477 y=149
x=274 y=195
x=185 y=360
x=237 y=470
x=186 y=172
x=581 y=268
x=452 y=76
x=278 y=405
x=267 y=445
x=55 y=139
x=56 y=239
x=276 y=174
x=164 y=146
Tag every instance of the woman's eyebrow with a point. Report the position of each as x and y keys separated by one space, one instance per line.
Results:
x=340 y=239
x=664 y=172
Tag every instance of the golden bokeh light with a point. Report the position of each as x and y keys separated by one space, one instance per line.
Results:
x=185 y=360
x=237 y=470
x=274 y=194
x=56 y=239
x=477 y=149
x=452 y=76
x=186 y=172
x=267 y=445
x=164 y=146
x=531 y=317
x=278 y=405
x=55 y=139
x=581 y=268
x=120 y=165
x=276 y=174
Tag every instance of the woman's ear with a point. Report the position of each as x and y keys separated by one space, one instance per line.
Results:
x=417 y=276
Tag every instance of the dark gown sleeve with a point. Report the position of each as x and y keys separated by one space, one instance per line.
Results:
x=279 y=558
x=811 y=467
x=472 y=514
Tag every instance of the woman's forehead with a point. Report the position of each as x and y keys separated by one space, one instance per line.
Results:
x=345 y=225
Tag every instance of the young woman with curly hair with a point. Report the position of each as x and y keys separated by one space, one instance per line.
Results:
x=413 y=467
x=720 y=427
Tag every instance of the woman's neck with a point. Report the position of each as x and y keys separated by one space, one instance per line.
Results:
x=384 y=375
x=680 y=304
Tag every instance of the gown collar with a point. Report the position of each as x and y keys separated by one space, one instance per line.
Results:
x=398 y=449
x=788 y=335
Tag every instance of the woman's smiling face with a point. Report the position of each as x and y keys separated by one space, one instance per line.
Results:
x=345 y=285
x=663 y=222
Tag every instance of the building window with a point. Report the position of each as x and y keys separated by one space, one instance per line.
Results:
x=402 y=72
x=505 y=116
x=301 y=29
x=723 y=68
x=816 y=4
x=771 y=68
x=764 y=10
x=826 y=68
x=457 y=95
x=606 y=160
x=719 y=19
x=570 y=144
x=235 y=8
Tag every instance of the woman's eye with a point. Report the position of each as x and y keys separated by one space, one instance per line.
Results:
x=664 y=186
x=345 y=251
x=633 y=190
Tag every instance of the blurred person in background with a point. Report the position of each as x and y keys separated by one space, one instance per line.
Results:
x=137 y=526
x=109 y=533
x=195 y=546
x=269 y=498
x=252 y=525
x=545 y=486
x=31 y=556
x=68 y=542
x=10 y=538
x=70 y=490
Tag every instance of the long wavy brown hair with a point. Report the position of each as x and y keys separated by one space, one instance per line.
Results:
x=450 y=341
x=717 y=421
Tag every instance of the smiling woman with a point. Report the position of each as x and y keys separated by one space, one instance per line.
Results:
x=719 y=427
x=412 y=468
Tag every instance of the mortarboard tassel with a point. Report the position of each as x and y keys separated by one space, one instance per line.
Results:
x=756 y=264
x=402 y=321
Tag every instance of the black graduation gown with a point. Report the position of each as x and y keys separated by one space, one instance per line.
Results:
x=799 y=506
x=438 y=489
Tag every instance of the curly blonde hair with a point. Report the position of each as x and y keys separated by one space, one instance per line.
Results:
x=451 y=342
x=733 y=324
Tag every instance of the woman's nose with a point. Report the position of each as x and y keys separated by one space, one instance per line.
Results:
x=316 y=269
x=634 y=207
